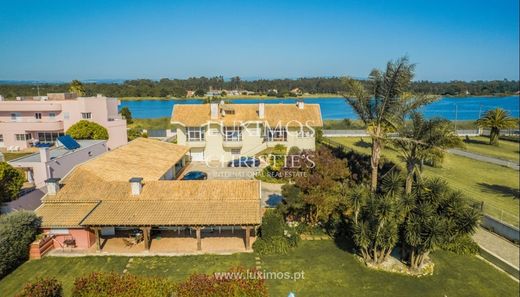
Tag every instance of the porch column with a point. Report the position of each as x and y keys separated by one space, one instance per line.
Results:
x=248 y=237
x=199 y=241
x=98 y=239
x=146 y=237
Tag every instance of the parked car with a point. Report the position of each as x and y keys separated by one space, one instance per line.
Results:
x=195 y=175
x=244 y=162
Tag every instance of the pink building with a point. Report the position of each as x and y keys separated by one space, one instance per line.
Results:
x=29 y=120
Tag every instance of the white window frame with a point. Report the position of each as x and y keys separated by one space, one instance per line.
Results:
x=278 y=134
x=304 y=133
x=59 y=231
x=194 y=134
x=86 y=115
x=23 y=137
x=15 y=116
x=38 y=115
x=232 y=133
x=52 y=115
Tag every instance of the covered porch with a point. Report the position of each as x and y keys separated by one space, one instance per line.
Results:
x=172 y=239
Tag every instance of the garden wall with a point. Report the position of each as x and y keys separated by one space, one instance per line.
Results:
x=501 y=228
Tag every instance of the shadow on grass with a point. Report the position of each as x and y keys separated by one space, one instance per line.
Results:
x=505 y=191
x=476 y=141
x=363 y=143
x=345 y=243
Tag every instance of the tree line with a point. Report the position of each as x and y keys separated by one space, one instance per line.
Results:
x=178 y=88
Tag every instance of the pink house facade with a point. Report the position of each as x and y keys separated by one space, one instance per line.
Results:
x=27 y=121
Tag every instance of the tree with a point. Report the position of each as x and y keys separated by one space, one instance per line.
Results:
x=199 y=93
x=496 y=120
x=439 y=216
x=11 y=181
x=87 y=130
x=382 y=104
x=136 y=132
x=77 y=87
x=17 y=230
x=126 y=114
x=420 y=140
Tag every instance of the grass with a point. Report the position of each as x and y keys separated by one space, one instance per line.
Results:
x=151 y=124
x=12 y=156
x=495 y=185
x=507 y=150
x=329 y=270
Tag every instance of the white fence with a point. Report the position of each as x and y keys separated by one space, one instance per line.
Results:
x=362 y=133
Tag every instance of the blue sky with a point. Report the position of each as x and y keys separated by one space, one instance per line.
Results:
x=64 y=40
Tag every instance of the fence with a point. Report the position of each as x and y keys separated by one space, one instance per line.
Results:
x=501 y=228
x=361 y=133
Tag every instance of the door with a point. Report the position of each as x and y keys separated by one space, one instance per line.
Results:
x=197 y=155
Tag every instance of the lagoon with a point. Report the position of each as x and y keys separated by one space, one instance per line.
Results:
x=459 y=108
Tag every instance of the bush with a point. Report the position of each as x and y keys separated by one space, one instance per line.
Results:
x=278 y=245
x=462 y=245
x=121 y=285
x=273 y=225
x=45 y=287
x=17 y=231
x=87 y=130
x=201 y=285
x=11 y=181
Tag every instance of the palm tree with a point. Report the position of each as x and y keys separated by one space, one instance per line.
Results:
x=383 y=104
x=420 y=140
x=77 y=87
x=496 y=120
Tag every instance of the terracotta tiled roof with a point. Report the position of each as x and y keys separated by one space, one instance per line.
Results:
x=146 y=158
x=275 y=114
x=64 y=214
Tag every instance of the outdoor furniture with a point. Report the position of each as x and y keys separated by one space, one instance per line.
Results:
x=71 y=242
x=128 y=242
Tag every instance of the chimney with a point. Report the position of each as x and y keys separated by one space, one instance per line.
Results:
x=261 y=110
x=214 y=111
x=1 y=98
x=53 y=185
x=136 y=184
x=300 y=104
x=44 y=155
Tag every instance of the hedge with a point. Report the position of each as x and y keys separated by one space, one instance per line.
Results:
x=17 y=231
x=43 y=287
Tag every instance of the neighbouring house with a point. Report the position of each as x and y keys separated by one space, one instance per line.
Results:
x=219 y=131
x=56 y=162
x=127 y=200
x=297 y=91
x=27 y=121
x=190 y=93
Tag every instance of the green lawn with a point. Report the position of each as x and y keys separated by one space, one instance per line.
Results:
x=497 y=186
x=508 y=150
x=329 y=270
x=12 y=156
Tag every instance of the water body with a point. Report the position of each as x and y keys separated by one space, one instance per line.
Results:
x=466 y=108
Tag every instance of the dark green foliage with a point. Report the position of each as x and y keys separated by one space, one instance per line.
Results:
x=278 y=245
x=273 y=225
x=126 y=114
x=42 y=287
x=87 y=130
x=77 y=87
x=121 y=285
x=134 y=133
x=312 y=85
x=462 y=245
x=11 y=181
x=17 y=231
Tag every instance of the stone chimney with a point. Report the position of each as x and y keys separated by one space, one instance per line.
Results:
x=44 y=155
x=300 y=104
x=261 y=110
x=136 y=184
x=53 y=185
x=214 y=111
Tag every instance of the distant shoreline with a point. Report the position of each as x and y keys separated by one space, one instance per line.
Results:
x=265 y=97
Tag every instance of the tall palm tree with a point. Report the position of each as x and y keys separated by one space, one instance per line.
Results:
x=421 y=139
x=382 y=104
x=496 y=119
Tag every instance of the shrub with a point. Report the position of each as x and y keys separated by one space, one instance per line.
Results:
x=294 y=150
x=87 y=130
x=233 y=283
x=11 y=181
x=272 y=225
x=17 y=231
x=121 y=285
x=462 y=245
x=278 y=245
x=45 y=287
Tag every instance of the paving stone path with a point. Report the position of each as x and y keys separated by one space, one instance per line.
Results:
x=498 y=245
x=484 y=158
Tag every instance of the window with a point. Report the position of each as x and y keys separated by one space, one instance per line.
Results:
x=66 y=115
x=277 y=134
x=48 y=137
x=304 y=133
x=195 y=134
x=232 y=133
x=38 y=115
x=23 y=137
x=1 y=138
x=235 y=151
x=15 y=116
x=86 y=115
x=59 y=231
x=52 y=115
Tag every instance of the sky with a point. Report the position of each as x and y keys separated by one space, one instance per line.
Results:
x=448 y=40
